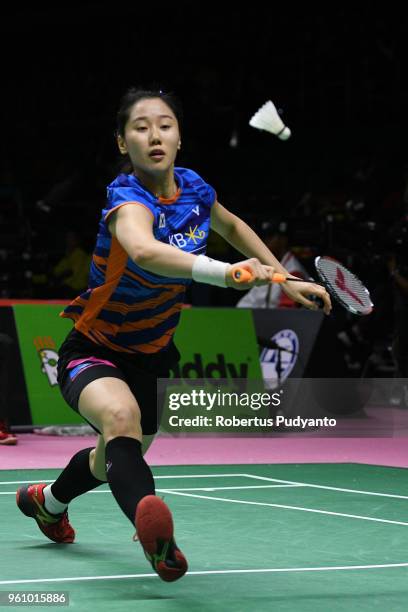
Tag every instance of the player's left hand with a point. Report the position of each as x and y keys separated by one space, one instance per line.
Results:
x=301 y=292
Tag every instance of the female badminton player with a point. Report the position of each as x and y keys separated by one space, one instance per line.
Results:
x=151 y=242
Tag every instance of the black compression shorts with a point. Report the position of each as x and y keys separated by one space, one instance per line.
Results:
x=81 y=361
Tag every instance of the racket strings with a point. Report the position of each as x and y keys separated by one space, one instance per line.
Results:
x=345 y=285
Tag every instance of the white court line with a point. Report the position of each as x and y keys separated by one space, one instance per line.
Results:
x=251 y=503
x=6 y=482
x=289 y=482
x=329 y=568
x=277 y=486
x=271 y=486
x=315 y=486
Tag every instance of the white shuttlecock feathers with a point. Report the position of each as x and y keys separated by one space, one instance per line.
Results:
x=267 y=118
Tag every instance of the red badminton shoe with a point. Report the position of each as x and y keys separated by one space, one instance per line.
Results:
x=56 y=527
x=154 y=527
x=6 y=437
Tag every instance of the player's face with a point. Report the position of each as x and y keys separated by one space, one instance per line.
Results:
x=152 y=136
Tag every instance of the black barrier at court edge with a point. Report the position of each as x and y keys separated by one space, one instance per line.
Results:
x=295 y=331
x=303 y=344
x=14 y=399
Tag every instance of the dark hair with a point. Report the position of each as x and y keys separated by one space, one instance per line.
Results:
x=134 y=95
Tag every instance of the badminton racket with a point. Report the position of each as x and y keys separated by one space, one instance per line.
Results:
x=339 y=281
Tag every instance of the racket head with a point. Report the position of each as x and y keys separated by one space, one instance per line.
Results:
x=344 y=286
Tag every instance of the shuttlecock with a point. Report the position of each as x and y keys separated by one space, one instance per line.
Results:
x=267 y=118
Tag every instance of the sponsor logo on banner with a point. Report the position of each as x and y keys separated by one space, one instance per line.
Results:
x=288 y=340
x=200 y=368
x=45 y=346
x=211 y=349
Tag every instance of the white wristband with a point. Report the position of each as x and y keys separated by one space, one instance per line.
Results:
x=210 y=271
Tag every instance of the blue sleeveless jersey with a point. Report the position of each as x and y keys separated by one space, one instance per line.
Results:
x=126 y=308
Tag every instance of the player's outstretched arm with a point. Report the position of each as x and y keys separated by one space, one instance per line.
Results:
x=132 y=226
x=238 y=233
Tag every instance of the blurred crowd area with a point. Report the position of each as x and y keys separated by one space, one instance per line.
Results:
x=336 y=75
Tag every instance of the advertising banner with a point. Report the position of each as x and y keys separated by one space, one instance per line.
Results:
x=41 y=331
x=286 y=338
x=217 y=343
x=218 y=350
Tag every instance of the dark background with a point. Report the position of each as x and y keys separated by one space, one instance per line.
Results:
x=338 y=73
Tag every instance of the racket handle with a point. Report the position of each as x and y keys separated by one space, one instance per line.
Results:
x=278 y=278
x=317 y=300
x=241 y=275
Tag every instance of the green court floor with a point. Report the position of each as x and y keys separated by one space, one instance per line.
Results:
x=257 y=537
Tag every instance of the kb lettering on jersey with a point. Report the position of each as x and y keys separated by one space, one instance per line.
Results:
x=177 y=240
x=194 y=235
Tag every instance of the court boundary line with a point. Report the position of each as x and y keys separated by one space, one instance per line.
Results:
x=4 y=482
x=327 y=568
x=286 y=507
x=252 y=476
x=246 y=475
x=330 y=488
x=271 y=486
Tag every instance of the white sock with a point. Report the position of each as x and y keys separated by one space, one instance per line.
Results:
x=52 y=504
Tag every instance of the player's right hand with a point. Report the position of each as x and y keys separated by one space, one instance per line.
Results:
x=261 y=274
